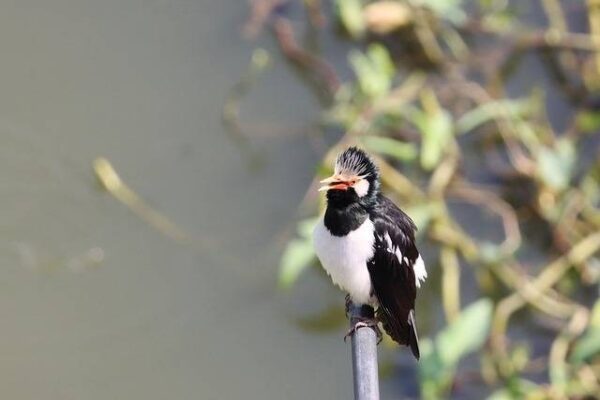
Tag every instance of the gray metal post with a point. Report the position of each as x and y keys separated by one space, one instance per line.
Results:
x=364 y=355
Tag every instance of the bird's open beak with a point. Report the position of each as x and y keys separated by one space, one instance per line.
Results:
x=338 y=182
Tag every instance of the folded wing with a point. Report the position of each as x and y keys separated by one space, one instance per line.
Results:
x=392 y=271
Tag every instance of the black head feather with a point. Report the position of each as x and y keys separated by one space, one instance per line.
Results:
x=355 y=162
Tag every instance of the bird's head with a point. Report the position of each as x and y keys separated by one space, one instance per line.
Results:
x=355 y=179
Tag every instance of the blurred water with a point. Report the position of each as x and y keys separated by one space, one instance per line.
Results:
x=95 y=303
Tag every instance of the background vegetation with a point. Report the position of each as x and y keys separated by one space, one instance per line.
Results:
x=485 y=124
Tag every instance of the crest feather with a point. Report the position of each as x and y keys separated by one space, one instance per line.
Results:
x=354 y=161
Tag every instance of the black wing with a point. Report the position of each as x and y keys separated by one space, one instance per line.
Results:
x=392 y=273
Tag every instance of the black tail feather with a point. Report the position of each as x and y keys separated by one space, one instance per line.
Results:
x=402 y=333
x=413 y=337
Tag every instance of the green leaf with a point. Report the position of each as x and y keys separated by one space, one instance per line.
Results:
x=306 y=227
x=466 y=334
x=556 y=165
x=450 y=10
x=351 y=16
x=587 y=347
x=490 y=253
x=516 y=390
x=493 y=110
x=382 y=60
x=384 y=145
x=589 y=344
x=374 y=70
x=499 y=20
x=297 y=256
x=437 y=131
x=520 y=356
x=440 y=357
x=588 y=121
x=527 y=133
x=434 y=376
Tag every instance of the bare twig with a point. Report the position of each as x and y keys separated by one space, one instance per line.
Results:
x=530 y=291
x=487 y=199
x=450 y=283
x=289 y=46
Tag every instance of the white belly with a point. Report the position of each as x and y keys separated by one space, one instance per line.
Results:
x=345 y=258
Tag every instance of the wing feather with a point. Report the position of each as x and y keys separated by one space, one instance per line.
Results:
x=392 y=273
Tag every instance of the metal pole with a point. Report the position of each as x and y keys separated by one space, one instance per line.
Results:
x=364 y=355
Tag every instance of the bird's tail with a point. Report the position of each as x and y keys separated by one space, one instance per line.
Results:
x=402 y=332
x=413 y=338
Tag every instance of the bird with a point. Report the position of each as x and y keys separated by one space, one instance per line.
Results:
x=366 y=244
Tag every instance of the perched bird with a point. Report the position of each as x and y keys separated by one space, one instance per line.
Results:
x=367 y=246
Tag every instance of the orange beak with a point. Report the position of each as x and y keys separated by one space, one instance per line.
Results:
x=334 y=182
x=338 y=182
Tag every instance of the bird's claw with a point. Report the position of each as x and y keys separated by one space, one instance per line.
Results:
x=370 y=323
x=348 y=305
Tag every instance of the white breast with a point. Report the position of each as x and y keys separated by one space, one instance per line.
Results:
x=345 y=258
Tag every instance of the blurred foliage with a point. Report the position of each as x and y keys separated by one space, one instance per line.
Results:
x=588 y=346
x=440 y=356
x=298 y=254
x=429 y=99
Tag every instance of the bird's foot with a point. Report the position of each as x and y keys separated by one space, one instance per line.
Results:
x=365 y=323
x=348 y=307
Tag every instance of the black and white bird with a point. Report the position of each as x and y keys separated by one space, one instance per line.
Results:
x=367 y=245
